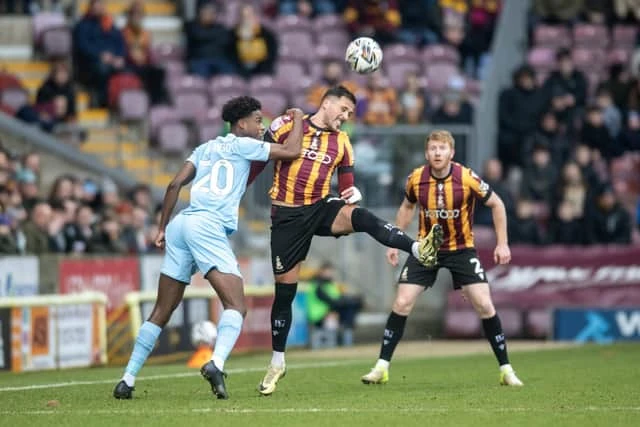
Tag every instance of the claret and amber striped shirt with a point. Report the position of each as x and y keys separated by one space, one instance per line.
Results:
x=448 y=201
x=307 y=179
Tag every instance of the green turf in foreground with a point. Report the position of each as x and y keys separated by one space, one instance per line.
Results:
x=585 y=386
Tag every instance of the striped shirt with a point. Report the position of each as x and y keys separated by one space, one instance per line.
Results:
x=448 y=201
x=307 y=179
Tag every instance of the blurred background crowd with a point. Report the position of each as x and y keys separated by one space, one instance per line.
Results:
x=568 y=145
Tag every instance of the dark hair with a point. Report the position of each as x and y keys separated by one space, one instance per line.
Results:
x=239 y=108
x=563 y=53
x=339 y=92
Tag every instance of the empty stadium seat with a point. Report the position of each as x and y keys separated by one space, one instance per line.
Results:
x=133 y=105
x=173 y=138
x=14 y=98
x=542 y=59
x=590 y=35
x=56 y=42
x=287 y=23
x=438 y=75
x=400 y=52
x=340 y=39
x=119 y=83
x=439 y=53
x=326 y=23
x=158 y=115
x=552 y=36
x=273 y=103
x=191 y=105
x=397 y=71
x=44 y=21
x=624 y=36
x=164 y=51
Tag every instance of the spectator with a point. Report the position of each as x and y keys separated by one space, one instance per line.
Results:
x=609 y=222
x=141 y=197
x=566 y=227
x=138 y=45
x=31 y=161
x=518 y=115
x=380 y=106
x=307 y=8
x=56 y=228
x=596 y=136
x=332 y=75
x=627 y=10
x=8 y=244
x=573 y=189
x=549 y=134
x=599 y=12
x=61 y=190
x=420 y=18
x=373 y=18
x=209 y=44
x=492 y=175
x=566 y=88
x=81 y=232
x=539 y=176
x=630 y=138
x=412 y=101
x=108 y=239
x=619 y=85
x=325 y=296
x=633 y=102
x=99 y=49
x=59 y=84
x=454 y=109
x=28 y=187
x=610 y=113
x=36 y=229
x=583 y=157
x=523 y=228
x=554 y=11
x=256 y=47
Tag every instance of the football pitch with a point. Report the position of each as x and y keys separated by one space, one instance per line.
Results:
x=440 y=383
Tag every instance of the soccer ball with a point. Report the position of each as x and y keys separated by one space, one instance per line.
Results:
x=364 y=55
x=204 y=333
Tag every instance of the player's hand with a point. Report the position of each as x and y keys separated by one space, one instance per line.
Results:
x=502 y=254
x=351 y=195
x=160 y=239
x=295 y=113
x=392 y=256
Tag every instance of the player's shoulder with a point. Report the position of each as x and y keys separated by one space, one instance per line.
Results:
x=467 y=172
x=416 y=173
x=281 y=123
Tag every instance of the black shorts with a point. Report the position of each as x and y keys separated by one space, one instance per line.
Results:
x=463 y=264
x=293 y=228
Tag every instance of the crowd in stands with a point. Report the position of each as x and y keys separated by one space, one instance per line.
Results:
x=77 y=216
x=569 y=127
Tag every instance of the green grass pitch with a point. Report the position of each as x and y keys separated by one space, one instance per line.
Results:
x=590 y=385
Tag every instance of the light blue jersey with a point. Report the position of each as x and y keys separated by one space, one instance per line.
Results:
x=197 y=237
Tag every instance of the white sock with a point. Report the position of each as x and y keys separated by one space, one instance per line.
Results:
x=506 y=368
x=277 y=359
x=218 y=361
x=129 y=379
x=382 y=364
x=414 y=250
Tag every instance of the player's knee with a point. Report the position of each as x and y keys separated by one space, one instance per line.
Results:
x=403 y=305
x=485 y=308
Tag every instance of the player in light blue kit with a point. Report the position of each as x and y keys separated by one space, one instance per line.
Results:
x=196 y=239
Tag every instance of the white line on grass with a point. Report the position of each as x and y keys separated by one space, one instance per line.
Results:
x=177 y=375
x=185 y=411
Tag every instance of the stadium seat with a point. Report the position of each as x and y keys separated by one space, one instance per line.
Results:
x=158 y=115
x=14 y=98
x=339 y=39
x=56 y=42
x=624 y=36
x=590 y=35
x=227 y=82
x=274 y=103
x=460 y=323
x=164 y=51
x=400 y=52
x=191 y=105
x=542 y=59
x=297 y=41
x=133 y=105
x=397 y=71
x=44 y=21
x=173 y=138
x=287 y=23
x=289 y=72
x=586 y=59
x=618 y=55
x=327 y=23
x=325 y=53
x=552 y=36
x=261 y=82
x=186 y=83
x=8 y=80
x=208 y=131
x=439 y=53
x=316 y=70
x=120 y=82
x=438 y=75
x=174 y=68
x=300 y=101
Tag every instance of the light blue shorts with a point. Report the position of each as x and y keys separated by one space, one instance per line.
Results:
x=195 y=244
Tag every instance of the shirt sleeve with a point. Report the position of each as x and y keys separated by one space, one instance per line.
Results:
x=279 y=130
x=252 y=149
x=195 y=155
x=479 y=188
x=409 y=192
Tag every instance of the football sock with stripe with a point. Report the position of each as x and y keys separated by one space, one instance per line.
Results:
x=146 y=339
x=388 y=234
x=229 y=328
x=392 y=334
x=493 y=331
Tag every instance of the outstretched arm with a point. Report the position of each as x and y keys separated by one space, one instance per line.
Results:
x=182 y=178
